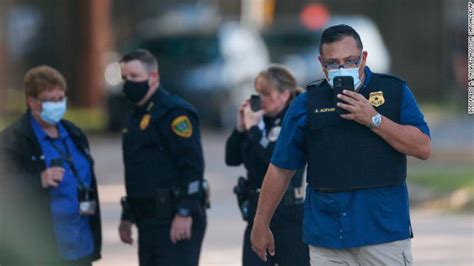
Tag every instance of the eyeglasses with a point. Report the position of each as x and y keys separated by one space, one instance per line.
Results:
x=348 y=63
x=51 y=100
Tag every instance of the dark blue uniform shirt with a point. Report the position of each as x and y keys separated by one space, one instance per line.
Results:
x=73 y=232
x=164 y=151
x=348 y=219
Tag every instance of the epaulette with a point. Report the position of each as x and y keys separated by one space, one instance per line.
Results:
x=316 y=82
x=172 y=103
x=391 y=77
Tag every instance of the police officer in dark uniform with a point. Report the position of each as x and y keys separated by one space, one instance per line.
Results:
x=251 y=144
x=164 y=168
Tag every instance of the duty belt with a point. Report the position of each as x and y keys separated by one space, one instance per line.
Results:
x=142 y=207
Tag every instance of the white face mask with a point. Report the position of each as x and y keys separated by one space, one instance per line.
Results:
x=352 y=72
x=53 y=112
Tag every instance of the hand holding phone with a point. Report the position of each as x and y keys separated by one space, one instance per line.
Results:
x=342 y=83
x=252 y=112
x=255 y=103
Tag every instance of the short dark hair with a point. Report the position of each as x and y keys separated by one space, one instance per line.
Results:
x=144 y=56
x=336 y=33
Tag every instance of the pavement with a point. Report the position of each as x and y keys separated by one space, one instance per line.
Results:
x=440 y=238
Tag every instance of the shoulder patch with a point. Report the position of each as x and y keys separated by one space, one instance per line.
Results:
x=182 y=127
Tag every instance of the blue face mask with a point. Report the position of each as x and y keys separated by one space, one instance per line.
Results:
x=53 y=112
x=353 y=72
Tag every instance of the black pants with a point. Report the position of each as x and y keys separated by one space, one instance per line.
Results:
x=156 y=249
x=287 y=231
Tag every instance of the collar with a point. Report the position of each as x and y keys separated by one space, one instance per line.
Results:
x=24 y=128
x=281 y=115
x=278 y=119
x=41 y=134
x=160 y=97
x=368 y=76
x=148 y=106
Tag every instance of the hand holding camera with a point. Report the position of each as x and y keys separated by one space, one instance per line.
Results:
x=53 y=175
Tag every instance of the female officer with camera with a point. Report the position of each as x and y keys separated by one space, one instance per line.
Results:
x=251 y=144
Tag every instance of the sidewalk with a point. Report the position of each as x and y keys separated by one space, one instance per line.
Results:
x=440 y=239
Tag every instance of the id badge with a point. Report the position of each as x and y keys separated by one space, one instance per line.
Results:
x=87 y=203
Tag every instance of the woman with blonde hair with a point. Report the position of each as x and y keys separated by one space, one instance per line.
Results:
x=251 y=144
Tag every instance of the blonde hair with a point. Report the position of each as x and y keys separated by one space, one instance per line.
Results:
x=281 y=79
x=43 y=78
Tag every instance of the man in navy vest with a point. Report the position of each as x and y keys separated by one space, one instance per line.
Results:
x=356 y=209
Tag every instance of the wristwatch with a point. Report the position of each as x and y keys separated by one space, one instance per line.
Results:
x=184 y=212
x=376 y=121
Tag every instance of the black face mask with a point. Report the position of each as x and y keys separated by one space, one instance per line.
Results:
x=135 y=91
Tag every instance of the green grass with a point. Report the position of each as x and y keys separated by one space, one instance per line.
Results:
x=444 y=179
x=88 y=119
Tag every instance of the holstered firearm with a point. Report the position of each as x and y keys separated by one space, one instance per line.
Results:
x=241 y=190
x=206 y=190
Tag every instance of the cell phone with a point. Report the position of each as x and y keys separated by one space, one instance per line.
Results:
x=255 y=103
x=56 y=162
x=342 y=83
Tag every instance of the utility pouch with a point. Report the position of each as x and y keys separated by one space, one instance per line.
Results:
x=207 y=194
x=165 y=203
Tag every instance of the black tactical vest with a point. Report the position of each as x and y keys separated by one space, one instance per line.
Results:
x=344 y=155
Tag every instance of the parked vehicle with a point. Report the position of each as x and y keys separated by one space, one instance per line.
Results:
x=214 y=69
x=211 y=65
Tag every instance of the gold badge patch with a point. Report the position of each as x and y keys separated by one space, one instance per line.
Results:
x=145 y=121
x=376 y=98
x=182 y=127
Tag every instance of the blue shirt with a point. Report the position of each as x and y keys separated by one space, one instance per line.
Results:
x=72 y=231
x=348 y=219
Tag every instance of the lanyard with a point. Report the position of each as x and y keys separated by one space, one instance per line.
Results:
x=66 y=156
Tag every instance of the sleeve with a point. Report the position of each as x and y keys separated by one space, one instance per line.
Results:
x=410 y=113
x=13 y=173
x=248 y=143
x=233 y=154
x=22 y=205
x=127 y=214
x=181 y=131
x=289 y=150
x=259 y=147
